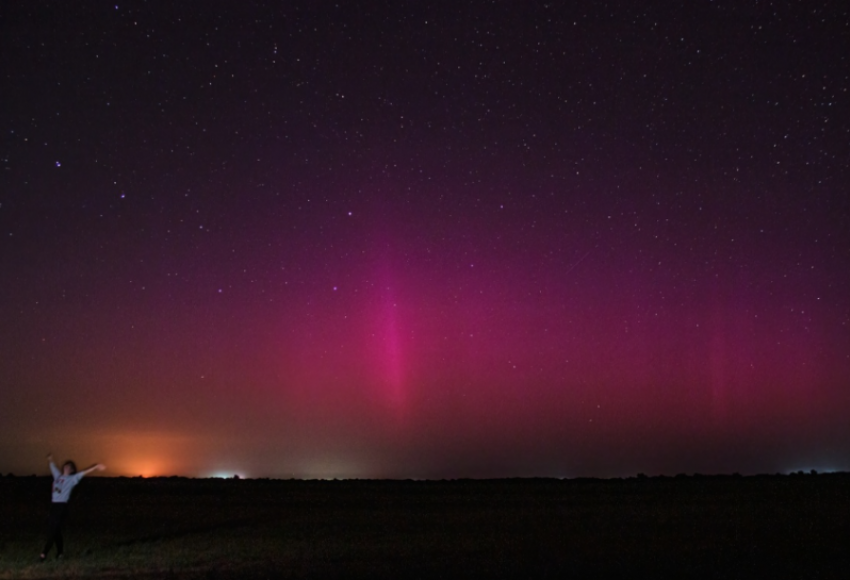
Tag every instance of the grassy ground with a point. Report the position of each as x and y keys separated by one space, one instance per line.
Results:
x=725 y=527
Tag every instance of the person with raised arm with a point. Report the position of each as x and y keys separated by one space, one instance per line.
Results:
x=63 y=483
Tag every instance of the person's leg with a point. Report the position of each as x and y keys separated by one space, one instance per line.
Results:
x=60 y=545
x=54 y=528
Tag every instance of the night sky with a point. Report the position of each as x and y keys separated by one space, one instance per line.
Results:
x=425 y=239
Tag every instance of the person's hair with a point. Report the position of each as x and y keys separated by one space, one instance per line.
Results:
x=73 y=466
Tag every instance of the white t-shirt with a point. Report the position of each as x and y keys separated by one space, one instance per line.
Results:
x=63 y=484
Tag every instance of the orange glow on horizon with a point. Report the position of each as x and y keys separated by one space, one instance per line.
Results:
x=146 y=454
x=144 y=468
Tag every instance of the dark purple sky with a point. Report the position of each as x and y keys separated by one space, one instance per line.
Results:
x=417 y=239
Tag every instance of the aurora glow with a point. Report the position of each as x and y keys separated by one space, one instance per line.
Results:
x=392 y=240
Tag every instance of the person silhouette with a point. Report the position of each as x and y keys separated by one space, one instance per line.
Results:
x=63 y=483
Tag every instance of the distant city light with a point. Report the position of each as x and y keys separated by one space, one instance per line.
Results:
x=227 y=475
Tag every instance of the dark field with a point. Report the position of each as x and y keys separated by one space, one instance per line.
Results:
x=712 y=527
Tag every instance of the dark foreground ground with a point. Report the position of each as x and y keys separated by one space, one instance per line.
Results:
x=700 y=527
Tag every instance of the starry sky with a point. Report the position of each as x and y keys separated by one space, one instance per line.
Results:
x=321 y=239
